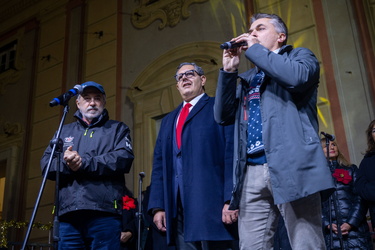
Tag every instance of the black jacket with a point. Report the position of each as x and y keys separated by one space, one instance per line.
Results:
x=365 y=183
x=345 y=206
x=106 y=151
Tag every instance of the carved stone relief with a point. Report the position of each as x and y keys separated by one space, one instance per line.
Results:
x=9 y=129
x=169 y=12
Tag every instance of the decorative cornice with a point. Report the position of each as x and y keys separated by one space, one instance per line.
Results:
x=169 y=12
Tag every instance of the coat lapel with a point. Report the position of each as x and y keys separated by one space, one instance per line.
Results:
x=172 y=118
x=198 y=107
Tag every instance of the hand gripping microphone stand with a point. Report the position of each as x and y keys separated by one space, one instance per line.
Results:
x=57 y=145
x=140 y=214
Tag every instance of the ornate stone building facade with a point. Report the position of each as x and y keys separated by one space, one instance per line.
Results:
x=133 y=47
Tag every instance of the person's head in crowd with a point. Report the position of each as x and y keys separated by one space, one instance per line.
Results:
x=269 y=29
x=334 y=152
x=190 y=80
x=91 y=102
x=370 y=136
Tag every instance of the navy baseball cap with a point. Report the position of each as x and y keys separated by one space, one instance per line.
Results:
x=93 y=84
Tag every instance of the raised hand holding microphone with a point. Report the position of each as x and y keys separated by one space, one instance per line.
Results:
x=232 y=50
x=232 y=45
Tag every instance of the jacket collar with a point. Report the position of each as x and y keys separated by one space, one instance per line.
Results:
x=96 y=122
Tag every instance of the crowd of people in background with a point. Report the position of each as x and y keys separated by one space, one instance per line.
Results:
x=245 y=169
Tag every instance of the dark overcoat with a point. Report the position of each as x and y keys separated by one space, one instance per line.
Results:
x=207 y=163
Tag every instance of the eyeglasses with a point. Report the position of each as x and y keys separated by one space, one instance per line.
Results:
x=188 y=74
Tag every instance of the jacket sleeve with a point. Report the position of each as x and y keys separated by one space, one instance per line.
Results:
x=228 y=183
x=358 y=208
x=54 y=161
x=225 y=99
x=117 y=160
x=363 y=185
x=297 y=72
x=156 y=198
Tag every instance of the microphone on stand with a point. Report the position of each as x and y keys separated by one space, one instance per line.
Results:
x=142 y=174
x=232 y=45
x=64 y=98
x=328 y=136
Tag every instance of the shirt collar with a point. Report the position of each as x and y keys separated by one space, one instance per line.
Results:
x=195 y=100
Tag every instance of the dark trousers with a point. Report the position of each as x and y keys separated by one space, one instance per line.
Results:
x=88 y=229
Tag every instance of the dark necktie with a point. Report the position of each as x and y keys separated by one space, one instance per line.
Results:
x=254 y=129
x=257 y=79
x=184 y=113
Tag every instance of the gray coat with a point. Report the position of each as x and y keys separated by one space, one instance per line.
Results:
x=297 y=164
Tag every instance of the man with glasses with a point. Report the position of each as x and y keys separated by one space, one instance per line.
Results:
x=97 y=152
x=191 y=179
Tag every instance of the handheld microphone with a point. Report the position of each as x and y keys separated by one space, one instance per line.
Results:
x=328 y=136
x=64 y=98
x=232 y=45
x=142 y=174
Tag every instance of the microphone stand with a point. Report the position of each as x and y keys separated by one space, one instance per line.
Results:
x=139 y=214
x=56 y=144
x=56 y=222
x=334 y=204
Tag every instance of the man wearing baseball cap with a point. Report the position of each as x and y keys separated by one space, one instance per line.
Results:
x=97 y=152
